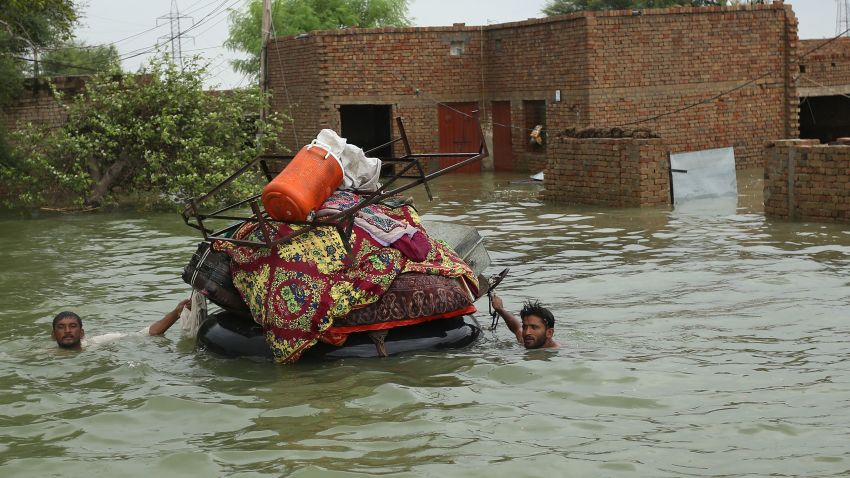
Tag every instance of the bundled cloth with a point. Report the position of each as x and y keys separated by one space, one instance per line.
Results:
x=385 y=230
x=298 y=289
x=358 y=171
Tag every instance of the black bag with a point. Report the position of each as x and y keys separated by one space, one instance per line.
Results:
x=209 y=273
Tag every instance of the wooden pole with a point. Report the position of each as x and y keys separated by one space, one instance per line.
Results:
x=266 y=33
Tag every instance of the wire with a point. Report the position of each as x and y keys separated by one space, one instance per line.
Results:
x=282 y=70
x=652 y=118
x=419 y=91
x=823 y=86
x=135 y=35
x=58 y=63
x=215 y=12
x=743 y=85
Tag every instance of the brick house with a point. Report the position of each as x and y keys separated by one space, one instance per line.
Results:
x=824 y=88
x=600 y=69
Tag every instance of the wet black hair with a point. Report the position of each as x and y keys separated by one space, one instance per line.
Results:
x=536 y=308
x=66 y=313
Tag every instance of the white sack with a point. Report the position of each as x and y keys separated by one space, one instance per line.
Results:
x=358 y=171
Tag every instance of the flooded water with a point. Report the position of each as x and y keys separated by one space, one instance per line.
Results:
x=705 y=341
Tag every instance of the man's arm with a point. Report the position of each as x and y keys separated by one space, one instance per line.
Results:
x=160 y=326
x=511 y=321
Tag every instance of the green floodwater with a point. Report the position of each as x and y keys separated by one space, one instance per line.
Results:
x=702 y=341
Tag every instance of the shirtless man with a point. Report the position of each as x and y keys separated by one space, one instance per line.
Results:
x=537 y=327
x=68 y=327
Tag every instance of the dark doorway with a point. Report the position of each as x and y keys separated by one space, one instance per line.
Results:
x=459 y=133
x=825 y=117
x=503 y=145
x=367 y=126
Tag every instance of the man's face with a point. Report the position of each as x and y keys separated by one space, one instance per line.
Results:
x=68 y=333
x=534 y=332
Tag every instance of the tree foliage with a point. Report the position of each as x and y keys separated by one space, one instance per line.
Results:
x=559 y=7
x=290 y=17
x=158 y=135
x=77 y=58
x=26 y=26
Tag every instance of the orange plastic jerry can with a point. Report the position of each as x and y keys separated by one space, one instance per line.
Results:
x=303 y=185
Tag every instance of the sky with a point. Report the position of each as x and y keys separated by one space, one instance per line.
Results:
x=136 y=26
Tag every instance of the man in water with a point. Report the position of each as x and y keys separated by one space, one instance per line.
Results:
x=537 y=327
x=68 y=327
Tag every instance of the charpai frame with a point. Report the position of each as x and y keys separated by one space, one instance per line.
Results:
x=342 y=222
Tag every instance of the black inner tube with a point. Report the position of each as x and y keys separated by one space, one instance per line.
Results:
x=230 y=335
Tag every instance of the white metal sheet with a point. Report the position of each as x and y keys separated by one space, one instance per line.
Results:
x=703 y=174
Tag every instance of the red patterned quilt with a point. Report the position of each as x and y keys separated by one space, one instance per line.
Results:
x=296 y=290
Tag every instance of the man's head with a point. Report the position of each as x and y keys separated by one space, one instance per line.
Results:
x=68 y=330
x=538 y=325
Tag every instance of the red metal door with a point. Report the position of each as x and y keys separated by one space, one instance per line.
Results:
x=503 y=145
x=458 y=133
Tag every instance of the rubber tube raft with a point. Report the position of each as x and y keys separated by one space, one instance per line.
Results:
x=230 y=335
x=232 y=332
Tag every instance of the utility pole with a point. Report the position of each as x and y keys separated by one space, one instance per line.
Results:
x=264 y=55
x=842 y=20
x=176 y=36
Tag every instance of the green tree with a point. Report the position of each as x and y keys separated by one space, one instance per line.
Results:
x=290 y=17
x=157 y=136
x=27 y=26
x=77 y=58
x=559 y=7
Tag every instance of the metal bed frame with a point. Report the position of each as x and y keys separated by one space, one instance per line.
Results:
x=343 y=222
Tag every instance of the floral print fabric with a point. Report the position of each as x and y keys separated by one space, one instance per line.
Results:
x=296 y=290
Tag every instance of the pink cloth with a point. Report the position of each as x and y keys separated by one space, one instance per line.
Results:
x=415 y=247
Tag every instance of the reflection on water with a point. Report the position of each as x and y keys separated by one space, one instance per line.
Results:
x=704 y=341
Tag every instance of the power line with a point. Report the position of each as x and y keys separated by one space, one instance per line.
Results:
x=176 y=40
x=215 y=12
x=724 y=93
x=136 y=35
x=58 y=63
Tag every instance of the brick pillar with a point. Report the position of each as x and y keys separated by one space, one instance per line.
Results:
x=621 y=172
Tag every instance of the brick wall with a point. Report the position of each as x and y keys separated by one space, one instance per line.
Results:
x=828 y=65
x=296 y=89
x=530 y=60
x=623 y=172
x=611 y=68
x=805 y=180
x=37 y=104
x=408 y=68
x=664 y=60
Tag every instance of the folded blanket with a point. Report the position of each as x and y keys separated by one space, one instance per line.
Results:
x=383 y=228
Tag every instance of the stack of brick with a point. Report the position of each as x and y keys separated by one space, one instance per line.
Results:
x=621 y=172
x=805 y=180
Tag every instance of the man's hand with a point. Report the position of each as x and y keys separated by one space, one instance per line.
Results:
x=498 y=305
x=512 y=322
x=180 y=305
x=160 y=326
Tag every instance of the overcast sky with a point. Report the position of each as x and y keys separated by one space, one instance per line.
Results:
x=136 y=26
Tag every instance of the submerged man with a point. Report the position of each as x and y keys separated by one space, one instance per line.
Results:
x=537 y=327
x=68 y=327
